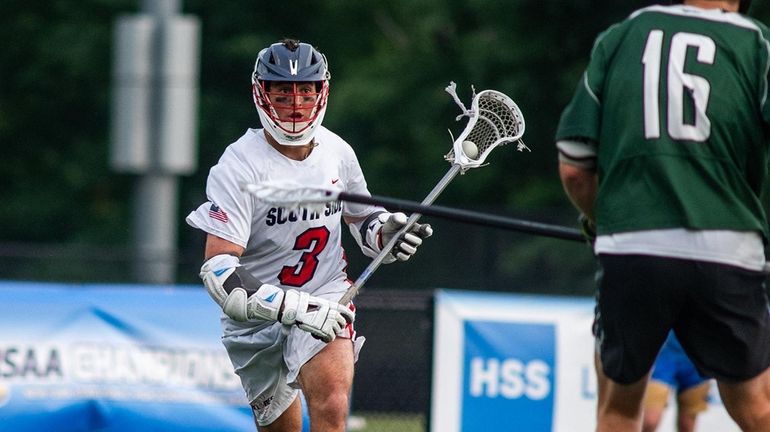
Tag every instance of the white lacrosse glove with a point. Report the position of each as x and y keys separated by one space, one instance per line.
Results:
x=320 y=317
x=244 y=298
x=407 y=245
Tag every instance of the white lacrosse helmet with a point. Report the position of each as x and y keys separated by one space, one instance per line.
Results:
x=290 y=61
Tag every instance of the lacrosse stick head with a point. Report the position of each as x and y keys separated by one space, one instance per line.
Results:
x=494 y=120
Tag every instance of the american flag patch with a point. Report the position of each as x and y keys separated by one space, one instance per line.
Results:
x=217 y=213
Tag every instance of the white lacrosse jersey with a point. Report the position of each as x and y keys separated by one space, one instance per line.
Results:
x=299 y=249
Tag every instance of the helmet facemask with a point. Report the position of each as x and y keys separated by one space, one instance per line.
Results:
x=291 y=111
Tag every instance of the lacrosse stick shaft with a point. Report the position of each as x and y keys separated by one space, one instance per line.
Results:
x=467 y=216
x=377 y=261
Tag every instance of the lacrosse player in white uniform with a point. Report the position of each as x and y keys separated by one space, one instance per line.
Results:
x=279 y=273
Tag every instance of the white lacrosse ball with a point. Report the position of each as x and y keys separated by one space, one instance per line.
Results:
x=470 y=149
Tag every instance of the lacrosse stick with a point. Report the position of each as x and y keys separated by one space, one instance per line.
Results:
x=288 y=194
x=493 y=120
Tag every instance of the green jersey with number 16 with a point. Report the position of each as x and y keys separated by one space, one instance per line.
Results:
x=675 y=99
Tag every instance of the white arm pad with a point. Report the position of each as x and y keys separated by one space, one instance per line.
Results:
x=241 y=296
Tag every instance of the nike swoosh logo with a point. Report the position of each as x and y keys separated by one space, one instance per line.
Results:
x=220 y=272
x=334 y=181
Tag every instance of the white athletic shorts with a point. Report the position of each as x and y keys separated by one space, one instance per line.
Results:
x=268 y=357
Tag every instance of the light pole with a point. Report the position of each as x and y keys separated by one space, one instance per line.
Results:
x=154 y=133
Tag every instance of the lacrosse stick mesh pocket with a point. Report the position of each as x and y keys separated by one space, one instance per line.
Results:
x=496 y=123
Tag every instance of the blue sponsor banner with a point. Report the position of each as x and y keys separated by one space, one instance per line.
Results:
x=517 y=362
x=511 y=362
x=118 y=358
x=505 y=382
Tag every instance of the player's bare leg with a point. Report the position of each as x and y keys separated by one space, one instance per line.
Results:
x=655 y=400
x=748 y=402
x=652 y=417
x=685 y=422
x=690 y=403
x=326 y=381
x=289 y=421
x=619 y=407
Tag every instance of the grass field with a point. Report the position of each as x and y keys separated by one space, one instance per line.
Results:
x=378 y=422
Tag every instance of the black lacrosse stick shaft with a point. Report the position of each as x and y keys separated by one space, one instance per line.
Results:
x=467 y=216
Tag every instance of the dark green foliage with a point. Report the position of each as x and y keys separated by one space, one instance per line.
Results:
x=54 y=71
x=390 y=62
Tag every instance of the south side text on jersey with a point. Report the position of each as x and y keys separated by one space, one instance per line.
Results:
x=280 y=215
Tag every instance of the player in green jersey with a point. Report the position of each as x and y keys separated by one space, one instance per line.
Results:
x=664 y=147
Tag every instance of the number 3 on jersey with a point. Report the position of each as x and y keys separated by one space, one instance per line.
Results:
x=313 y=241
x=698 y=87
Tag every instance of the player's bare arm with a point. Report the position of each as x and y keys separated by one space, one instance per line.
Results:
x=219 y=246
x=580 y=184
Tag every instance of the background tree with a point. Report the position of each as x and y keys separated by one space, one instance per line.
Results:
x=390 y=62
